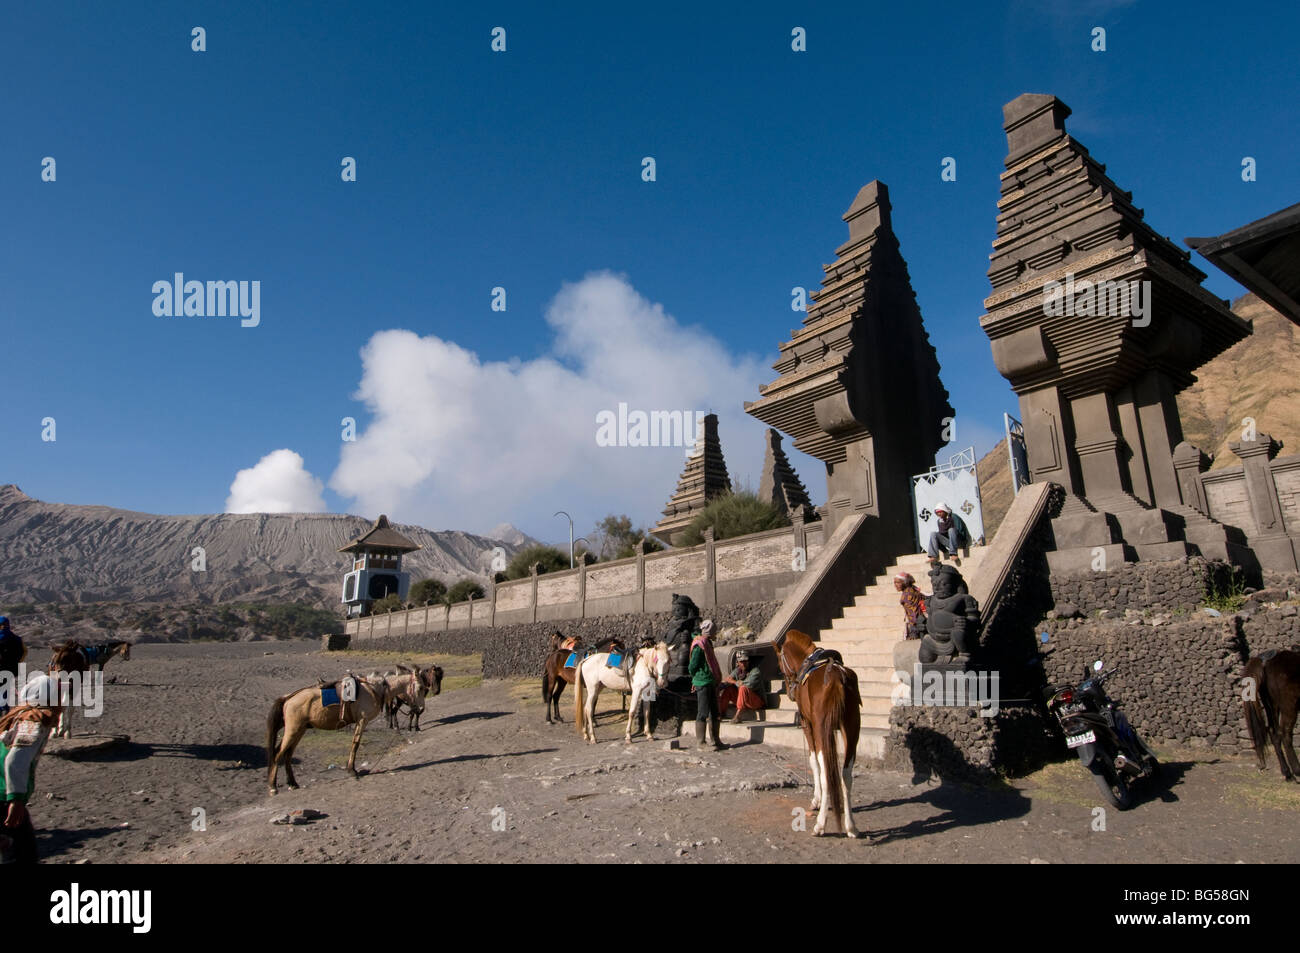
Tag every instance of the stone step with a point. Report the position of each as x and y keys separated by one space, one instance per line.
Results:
x=871 y=739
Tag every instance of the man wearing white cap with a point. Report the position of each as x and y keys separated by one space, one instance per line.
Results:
x=952 y=536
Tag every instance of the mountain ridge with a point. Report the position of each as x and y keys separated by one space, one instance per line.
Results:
x=56 y=552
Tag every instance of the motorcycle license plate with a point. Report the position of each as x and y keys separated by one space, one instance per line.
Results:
x=1074 y=741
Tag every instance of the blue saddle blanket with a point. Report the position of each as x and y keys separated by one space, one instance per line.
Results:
x=615 y=659
x=329 y=695
x=572 y=660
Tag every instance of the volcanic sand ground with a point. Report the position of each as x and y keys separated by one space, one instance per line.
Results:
x=486 y=759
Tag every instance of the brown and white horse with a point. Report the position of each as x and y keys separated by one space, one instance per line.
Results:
x=68 y=657
x=828 y=702
x=305 y=708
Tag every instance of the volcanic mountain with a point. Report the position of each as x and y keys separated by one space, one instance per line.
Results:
x=55 y=552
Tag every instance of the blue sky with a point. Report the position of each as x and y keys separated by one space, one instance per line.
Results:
x=522 y=170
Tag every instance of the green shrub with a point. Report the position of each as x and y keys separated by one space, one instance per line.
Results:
x=735 y=514
x=427 y=592
x=463 y=590
x=551 y=559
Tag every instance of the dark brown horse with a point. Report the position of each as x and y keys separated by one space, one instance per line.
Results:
x=1271 y=697
x=555 y=675
x=828 y=700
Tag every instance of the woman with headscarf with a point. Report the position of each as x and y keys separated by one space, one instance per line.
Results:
x=706 y=674
x=23 y=733
x=913 y=602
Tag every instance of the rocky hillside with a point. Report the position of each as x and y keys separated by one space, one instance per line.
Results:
x=54 y=552
x=1257 y=378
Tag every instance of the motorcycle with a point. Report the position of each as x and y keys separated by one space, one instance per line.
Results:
x=1097 y=731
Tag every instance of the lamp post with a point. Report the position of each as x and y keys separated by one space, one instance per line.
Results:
x=570 y=519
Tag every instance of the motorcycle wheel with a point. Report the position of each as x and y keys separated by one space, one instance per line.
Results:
x=1113 y=787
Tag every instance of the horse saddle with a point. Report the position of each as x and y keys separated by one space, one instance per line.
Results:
x=572 y=660
x=817 y=659
x=91 y=652
x=615 y=660
x=333 y=694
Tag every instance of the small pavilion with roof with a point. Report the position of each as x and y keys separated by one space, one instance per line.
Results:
x=376 y=569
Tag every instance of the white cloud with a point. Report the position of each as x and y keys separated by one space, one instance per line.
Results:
x=278 y=483
x=456 y=442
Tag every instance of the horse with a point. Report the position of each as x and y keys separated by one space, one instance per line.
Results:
x=101 y=653
x=68 y=657
x=828 y=701
x=1273 y=706
x=305 y=708
x=410 y=690
x=651 y=669
x=556 y=674
x=593 y=673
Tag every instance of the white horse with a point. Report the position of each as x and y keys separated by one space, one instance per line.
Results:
x=593 y=673
x=649 y=675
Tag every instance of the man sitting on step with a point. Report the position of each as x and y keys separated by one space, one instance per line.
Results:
x=952 y=538
x=744 y=688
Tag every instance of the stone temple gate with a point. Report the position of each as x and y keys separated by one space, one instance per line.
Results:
x=859 y=383
x=1098 y=322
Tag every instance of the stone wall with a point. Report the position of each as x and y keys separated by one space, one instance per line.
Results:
x=1177 y=678
x=960 y=744
x=520 y=650
x=759 y=567
x=1175 y=584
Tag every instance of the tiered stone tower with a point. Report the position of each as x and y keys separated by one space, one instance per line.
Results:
x=1099 y=361
x=859 y=382
x=779 y=484
x=704 y=478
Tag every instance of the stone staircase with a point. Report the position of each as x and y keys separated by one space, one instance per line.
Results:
x=865 y=635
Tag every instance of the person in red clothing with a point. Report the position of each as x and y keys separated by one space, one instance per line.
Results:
x=744 y=688
x=913 y=602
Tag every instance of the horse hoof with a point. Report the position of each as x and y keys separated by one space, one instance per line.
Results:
x=291 y=786
x=851 y=832
x=272 y=792
x=818 y=831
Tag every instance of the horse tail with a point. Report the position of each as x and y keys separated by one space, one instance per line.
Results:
x=1256 y=713
x=579 y=684
x=274 y=722
x=832 y=719
x=546 y=683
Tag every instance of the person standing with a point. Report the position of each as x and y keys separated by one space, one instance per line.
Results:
x=23 y=733
x=913 y=602
x=12 y=653
x=706 y=674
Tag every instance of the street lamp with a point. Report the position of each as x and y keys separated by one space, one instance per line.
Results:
x=570 y=519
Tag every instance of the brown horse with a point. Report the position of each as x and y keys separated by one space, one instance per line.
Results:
x=303 y=709
x=828 y=700
x=409 y=688
x=1272 y=706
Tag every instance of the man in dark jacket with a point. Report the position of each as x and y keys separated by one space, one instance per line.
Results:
x=952 y=536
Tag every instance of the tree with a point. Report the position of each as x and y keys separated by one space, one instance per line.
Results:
x=390 y=603
x=427 y=592
x=462 y=591
x=551 y=558
x=735 y=514
x=618 y=538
